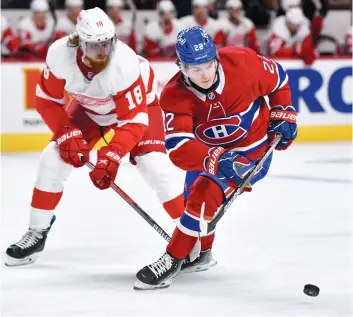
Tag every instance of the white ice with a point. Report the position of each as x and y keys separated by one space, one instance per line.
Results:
x=295 y=228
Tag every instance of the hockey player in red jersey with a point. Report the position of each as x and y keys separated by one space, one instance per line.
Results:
x=222 y=109
x=112 y=89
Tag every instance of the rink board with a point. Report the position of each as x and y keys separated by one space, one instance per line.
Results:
x=322 y=94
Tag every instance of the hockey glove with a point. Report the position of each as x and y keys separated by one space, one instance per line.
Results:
x=227 y=164
x=71 y=143
x=108 y=162
x=283 y=121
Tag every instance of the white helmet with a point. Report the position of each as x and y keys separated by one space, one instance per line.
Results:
x=200 y=3
x=295 y=16
x=39 y=6
x=93 y=25
x=288 y=4
x=74 y=4
x=165 y=6
x=234 y=4
x=115 y=3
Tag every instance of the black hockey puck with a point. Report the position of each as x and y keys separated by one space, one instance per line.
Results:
x=311 y=290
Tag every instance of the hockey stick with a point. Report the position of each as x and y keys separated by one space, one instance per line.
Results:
x=136 y=207
x=133 y=12
x=208 y=227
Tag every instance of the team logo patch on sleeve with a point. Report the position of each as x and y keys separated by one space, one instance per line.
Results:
x=221 y=131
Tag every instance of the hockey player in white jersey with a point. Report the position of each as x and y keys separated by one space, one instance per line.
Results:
x=238 y=30
x=160 y=35
x=67 y=23
x=201 y=18
x=112 y=89
x=124 y=28
x=10 y=43
x=36 y=30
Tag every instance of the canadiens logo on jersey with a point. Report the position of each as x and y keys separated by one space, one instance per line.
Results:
x=220 y=132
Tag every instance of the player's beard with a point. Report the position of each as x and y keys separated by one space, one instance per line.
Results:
x=97 y=64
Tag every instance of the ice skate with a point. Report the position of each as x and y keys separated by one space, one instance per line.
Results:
x=158 y=274
x=26 y=250
x=202 y=263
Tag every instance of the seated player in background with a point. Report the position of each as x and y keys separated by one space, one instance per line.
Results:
x=222 y=109
x=347 y=45
x=36 y=32
x=291 y=37
x=201 y=18
x=124 y=28
x=67 y=23
x=10 y=43
x=237 y=29
x=160 y=35
x=313 y=10
x=112 y=89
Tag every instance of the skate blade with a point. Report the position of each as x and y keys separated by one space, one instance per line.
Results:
x=140 y=286
x=10 y=261
x=200 y=267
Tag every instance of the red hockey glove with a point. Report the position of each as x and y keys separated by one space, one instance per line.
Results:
x=108 y=162
x=71 y=142
x=211 y=161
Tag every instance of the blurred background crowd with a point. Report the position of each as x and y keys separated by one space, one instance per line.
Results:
x=277 y=28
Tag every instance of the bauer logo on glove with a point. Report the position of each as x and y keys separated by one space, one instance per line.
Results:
x=283 y=121
x=72 y=133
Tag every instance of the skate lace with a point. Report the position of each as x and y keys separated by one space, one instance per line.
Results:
x=29 y=239
x=162 y=265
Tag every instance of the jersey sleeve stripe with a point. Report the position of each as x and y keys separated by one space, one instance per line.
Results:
x=282 y=76
x=173 y=144
x=40 y=93
x=252 y=147
x=180 y=134
x=141 y=118
x=151 y=97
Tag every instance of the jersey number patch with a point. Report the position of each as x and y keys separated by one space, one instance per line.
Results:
x=134 y=99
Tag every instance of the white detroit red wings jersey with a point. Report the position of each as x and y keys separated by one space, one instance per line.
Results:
x=115 y=97
x=123 y=30
x=241 y=34
x=9 y=41
x=234 y=115
x=65 y=25
x=281 y=37
x=211 y=26
x=31 y=35
x=159 y=42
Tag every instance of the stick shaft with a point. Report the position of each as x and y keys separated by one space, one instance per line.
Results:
x=228 y=202
x=136 y=207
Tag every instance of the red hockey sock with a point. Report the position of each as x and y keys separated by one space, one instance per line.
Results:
x=45 y=200
x=206 y=242
x=180 y=244
x=175 y=207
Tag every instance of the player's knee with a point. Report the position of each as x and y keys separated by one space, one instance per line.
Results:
x=161 y=175
x=204 y=190
x=52 y=171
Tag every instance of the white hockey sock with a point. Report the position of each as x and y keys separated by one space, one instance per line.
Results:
x=40 y=219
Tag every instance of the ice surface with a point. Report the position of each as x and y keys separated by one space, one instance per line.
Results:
x=295 y=228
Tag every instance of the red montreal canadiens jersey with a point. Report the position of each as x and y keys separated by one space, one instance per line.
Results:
x=235 y=115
